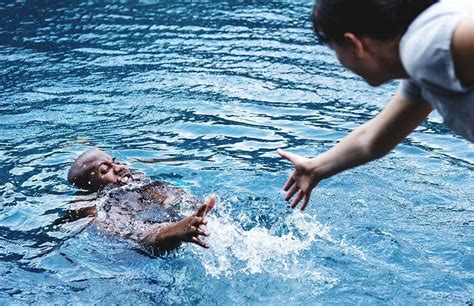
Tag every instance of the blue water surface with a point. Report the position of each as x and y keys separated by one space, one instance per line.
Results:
x=202 y=93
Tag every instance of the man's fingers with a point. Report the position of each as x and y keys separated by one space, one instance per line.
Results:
x=298 y=198
x=198 y=221
x=200 y=231
x=199 y=242
x=210 y=204
x=201 y=211
x=207 y=207
x=290 y=193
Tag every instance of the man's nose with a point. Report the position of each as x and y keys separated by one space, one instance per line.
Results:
x=119 y=168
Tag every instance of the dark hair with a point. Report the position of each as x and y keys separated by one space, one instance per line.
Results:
x=378 y=19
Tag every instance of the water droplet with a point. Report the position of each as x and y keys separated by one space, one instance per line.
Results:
x=92 y=173
x=89 y=182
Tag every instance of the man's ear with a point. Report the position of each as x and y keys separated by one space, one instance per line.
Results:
x=356 y=44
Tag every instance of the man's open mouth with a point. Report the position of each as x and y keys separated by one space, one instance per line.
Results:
x=125 y=178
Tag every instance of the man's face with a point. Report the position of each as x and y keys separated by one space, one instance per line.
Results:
x=366 y=66
x=105 y=170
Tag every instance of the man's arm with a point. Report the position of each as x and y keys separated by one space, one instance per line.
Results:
x=462 y=51
x=370 y=141
x=170 y=236
x=82 y=208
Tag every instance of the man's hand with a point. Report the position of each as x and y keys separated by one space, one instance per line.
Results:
x=302 y=180
x=190 y=229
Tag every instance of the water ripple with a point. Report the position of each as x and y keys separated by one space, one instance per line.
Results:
x=202 y=94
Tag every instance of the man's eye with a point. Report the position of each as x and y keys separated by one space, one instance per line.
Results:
x=104 y=170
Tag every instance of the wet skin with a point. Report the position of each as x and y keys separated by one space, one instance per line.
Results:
x=105 y=170
x=97 y=169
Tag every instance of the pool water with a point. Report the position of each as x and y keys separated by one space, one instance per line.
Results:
x=201 y=94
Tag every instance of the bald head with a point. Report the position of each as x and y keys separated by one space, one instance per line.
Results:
x=95 y=168
x=80 y=172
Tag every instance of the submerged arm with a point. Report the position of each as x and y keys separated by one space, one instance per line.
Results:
x=82 y=209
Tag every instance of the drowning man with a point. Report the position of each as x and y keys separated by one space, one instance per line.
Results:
x=147 y=212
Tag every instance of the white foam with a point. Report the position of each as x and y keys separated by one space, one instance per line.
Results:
x=258 y=250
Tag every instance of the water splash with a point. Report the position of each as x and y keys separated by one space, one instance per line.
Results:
x=261 y=250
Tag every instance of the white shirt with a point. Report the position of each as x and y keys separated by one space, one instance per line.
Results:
x=425 y=51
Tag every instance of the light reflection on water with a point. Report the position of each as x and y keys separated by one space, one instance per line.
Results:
x=211 y=90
